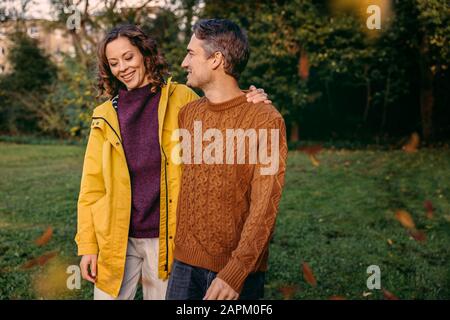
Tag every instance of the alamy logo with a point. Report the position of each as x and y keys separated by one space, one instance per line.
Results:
x=374 y=280
x=222 y=150
x=374 y=20
x=74 y=20
x=74 y=280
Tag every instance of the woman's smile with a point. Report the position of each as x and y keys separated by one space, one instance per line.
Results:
x=129 y=76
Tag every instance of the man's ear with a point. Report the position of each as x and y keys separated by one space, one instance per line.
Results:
x=217 y=60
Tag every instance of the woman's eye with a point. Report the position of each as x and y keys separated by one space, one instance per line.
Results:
x=128 y=58
x=113 y=64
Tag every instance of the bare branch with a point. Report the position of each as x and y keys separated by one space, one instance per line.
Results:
x=86 y=7
x=114 y=4
x=144 y=5
x=24 y=5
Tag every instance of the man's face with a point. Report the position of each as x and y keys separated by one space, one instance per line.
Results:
x=197 y=64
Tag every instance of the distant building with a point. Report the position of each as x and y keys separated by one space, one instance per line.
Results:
x=54 y=41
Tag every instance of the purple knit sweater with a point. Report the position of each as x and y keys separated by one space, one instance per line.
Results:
x=138 y=119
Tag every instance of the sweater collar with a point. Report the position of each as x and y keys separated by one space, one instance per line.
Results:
x=137 y=94
x=241 y=99
x=107 y=110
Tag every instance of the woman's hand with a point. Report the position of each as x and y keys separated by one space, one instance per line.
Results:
x=257 y=95
x=89 y=261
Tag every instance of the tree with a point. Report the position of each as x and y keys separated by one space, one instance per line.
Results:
x=320 y=59
x=32 y=73
x=165 y=29
x=66 y=110
x=434 y=54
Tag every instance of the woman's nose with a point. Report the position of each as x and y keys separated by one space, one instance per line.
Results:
x=122 y=66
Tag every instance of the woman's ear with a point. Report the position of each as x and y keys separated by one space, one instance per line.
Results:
x=147 y=62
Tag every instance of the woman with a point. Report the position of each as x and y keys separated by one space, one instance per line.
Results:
x=129 y=186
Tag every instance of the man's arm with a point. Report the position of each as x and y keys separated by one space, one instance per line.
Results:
x=258 y=228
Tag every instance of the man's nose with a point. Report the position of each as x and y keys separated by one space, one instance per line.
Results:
x=184 y=64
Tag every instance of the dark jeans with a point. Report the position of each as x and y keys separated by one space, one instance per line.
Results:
x=187 y=282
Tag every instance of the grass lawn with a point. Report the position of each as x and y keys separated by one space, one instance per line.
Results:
x=339 y=217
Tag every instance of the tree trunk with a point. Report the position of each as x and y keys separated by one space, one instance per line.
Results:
x=189 y=15
x=385 y=102
x=426 y=111
x=294 y=132
x=368 y=99
x=79 y=51
x=329 y=99
x=426 y=92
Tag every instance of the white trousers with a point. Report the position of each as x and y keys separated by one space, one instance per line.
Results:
x=141 y=263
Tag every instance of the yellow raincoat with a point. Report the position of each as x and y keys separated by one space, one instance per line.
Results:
x=104 y=204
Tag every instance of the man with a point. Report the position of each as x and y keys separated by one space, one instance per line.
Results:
x=228 y=199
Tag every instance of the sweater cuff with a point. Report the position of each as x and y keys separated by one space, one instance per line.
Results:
x=234 y=275
x=87 y=248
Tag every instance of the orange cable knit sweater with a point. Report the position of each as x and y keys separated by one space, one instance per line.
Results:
x=226 y=212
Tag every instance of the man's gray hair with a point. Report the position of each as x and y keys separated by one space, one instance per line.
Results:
x=226 y=37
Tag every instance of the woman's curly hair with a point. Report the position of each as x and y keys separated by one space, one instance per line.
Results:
x=155 y=64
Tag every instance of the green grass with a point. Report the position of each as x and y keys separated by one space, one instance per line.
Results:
x=337 y=217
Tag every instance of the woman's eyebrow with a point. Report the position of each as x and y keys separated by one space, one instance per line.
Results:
x=109 y=59
x=128 y=51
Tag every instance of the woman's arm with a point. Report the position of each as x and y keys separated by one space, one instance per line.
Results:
x=257 y=95
x=91 y=190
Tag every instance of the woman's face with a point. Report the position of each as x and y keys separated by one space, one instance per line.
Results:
x=126 y=63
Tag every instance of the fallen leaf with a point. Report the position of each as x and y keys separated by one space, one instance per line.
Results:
x=6 y=270
x=314 y=149
x=45 y=238
x=366 y=294
x=314 y=160
x=428 y=205
x=418 y=235
x=337 y=298
x=405 y=219
x=429 y=209
x=39 y=261
x=51 y=281
x=288 y=292
x=412 y=144
x=308 y=274
x=389 y=295
x=390 y=242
